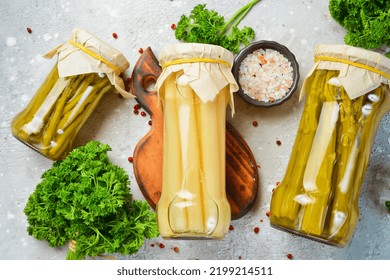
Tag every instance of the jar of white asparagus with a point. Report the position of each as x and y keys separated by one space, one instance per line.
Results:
x=347 y=93
x=195 y=87
x=86 y=69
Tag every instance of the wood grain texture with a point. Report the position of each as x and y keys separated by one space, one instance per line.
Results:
x=241 y=168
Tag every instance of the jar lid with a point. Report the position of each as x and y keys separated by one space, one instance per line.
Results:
x=361 y=70
x=206 y=69
x=85 y=53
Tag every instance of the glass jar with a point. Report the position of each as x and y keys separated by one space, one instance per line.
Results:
x=195 y=88
x=347 y=93
x=86 y=69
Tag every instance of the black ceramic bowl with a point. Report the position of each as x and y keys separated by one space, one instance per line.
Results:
x=266 y=45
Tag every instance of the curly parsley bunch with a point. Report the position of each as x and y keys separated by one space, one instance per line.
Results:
x=85 y=200
x=367 y=21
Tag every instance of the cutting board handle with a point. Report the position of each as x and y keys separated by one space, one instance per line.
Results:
x=147 y=155
x=144 y=76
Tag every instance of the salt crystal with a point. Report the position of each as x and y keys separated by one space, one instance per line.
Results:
x=266 y=75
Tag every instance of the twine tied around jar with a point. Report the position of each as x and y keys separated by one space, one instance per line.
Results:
x=352 y=63
x=196 y=59
x=95 y=55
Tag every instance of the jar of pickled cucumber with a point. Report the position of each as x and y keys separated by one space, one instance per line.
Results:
x=347 y=93
x=85 y=70
x=195 y=87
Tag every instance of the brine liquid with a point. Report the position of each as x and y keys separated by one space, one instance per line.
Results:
x=318 y=197
x=193 y=201
x=57 y=111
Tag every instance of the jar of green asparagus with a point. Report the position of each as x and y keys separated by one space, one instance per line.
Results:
x=347 y=93
x=86 y=69
x=195 y=88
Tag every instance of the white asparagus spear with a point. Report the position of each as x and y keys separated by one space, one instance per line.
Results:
x=212 y=118
x=223 y=100
x=210 y=162
x=172 y=170
x=191 y=164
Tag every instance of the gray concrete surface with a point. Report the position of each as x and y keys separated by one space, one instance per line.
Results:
x=300 y=25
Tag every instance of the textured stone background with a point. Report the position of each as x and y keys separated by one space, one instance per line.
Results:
x=298 y=24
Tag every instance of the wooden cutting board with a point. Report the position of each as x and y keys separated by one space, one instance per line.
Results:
x=241 y=168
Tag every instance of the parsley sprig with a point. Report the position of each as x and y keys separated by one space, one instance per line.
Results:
x=208 y=27
x=367 y=21
x=86 y=199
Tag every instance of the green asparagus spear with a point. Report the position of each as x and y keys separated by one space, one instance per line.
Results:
x=347 y=193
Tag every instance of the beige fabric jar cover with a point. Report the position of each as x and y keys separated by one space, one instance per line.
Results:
x=85 y=53
x=361 y=70
x=206 y=79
